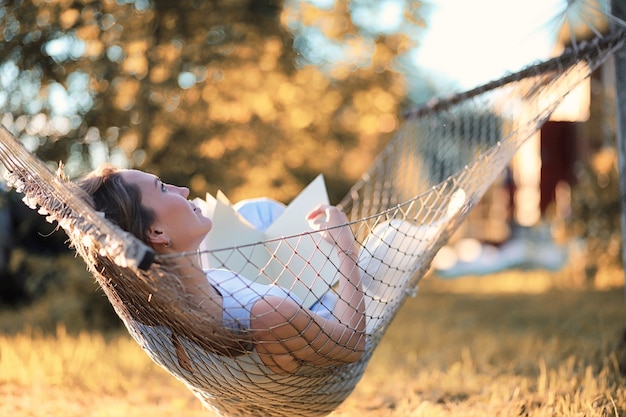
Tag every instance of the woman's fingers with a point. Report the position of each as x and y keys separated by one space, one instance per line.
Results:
x=326 y=215
x=331 y=217
x=317 y=211
x=318 y=218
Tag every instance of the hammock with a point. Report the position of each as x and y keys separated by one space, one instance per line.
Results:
x=402 y=211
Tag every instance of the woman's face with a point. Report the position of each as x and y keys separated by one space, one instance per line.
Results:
x=178 y=221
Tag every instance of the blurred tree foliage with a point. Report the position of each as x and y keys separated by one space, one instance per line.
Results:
x=205 y=93
x=596 y=211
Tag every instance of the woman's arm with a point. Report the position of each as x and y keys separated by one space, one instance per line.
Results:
x=288 y=334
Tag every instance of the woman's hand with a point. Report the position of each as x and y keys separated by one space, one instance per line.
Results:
x=335 y=221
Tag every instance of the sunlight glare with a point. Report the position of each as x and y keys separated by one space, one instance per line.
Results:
x=383 y=17
x=474 y=42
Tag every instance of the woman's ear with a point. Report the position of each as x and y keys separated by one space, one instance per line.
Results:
x=157 y=237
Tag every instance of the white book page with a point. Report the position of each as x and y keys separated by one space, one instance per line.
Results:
x=231 y=230
x=293 y=219
x=306 y=265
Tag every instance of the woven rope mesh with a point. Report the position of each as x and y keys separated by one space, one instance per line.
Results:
x=404 y=208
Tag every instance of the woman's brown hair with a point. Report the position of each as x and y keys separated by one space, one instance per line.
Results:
x=118 y=200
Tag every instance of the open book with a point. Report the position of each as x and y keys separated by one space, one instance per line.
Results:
x=305 y=264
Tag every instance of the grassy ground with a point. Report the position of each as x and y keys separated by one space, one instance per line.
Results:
x=507 y=345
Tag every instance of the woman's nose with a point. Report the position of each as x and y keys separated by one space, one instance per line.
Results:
x=184 y=191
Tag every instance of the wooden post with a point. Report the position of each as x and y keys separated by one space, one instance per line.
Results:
x=618 y=9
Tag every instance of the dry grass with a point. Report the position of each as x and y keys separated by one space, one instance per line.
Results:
x=508 y=345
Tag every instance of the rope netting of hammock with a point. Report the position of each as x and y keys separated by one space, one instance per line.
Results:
x=402 y=211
